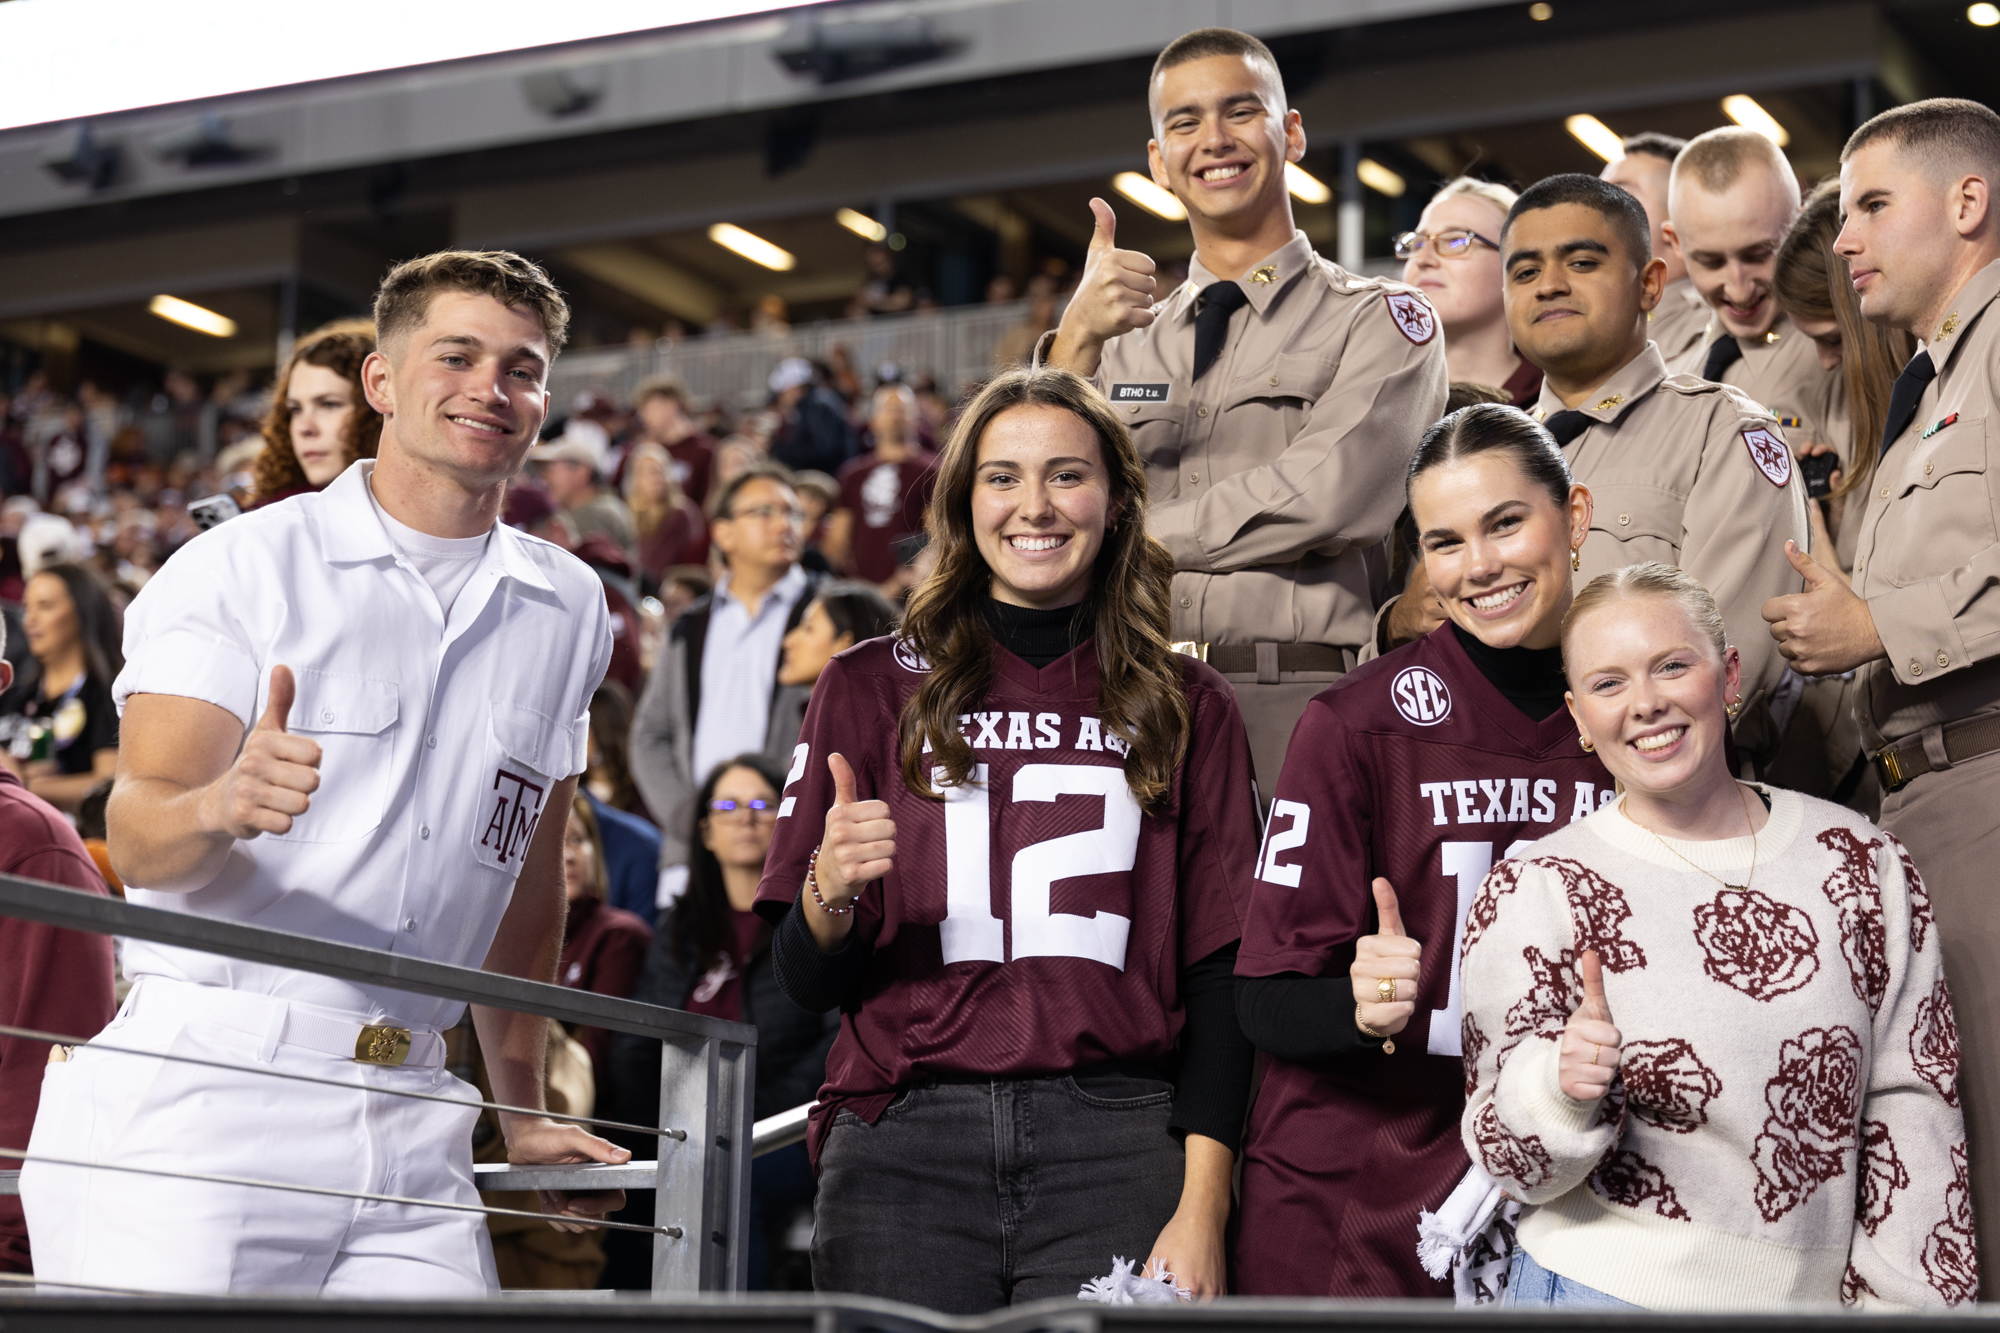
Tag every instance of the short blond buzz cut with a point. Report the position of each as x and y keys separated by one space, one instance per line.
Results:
x=404 y=297
x=1944 y=131
x=1203 y=43
x=1716 y=160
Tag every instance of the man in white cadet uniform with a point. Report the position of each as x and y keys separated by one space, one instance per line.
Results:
x=343 y=716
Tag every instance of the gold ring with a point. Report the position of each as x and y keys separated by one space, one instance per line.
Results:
x=1596 y=1050
x=1385 y=990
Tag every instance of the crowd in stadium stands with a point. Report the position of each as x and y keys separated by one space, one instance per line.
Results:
x=742 y=549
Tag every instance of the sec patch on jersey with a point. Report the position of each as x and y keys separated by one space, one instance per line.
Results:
x=1420 y=695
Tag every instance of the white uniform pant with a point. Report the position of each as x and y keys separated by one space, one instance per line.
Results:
x=151 y=1233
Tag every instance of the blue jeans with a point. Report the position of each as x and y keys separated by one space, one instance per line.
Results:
x=1530 y=1284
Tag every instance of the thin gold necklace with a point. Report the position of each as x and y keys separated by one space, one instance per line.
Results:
x=1740 y=888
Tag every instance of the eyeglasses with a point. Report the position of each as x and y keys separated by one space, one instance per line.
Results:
x=1450 y=244
x=765 y=513
x=757 y=808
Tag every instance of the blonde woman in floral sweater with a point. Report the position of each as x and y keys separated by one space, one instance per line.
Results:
x=1706 y=1029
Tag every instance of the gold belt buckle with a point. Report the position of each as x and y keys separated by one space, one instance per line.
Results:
x=380 y=1045
x=1190 y=648
x=1893 y=777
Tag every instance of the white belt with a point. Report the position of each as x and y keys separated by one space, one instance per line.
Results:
x=277 y=1022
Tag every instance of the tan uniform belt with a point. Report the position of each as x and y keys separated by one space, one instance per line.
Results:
x=1269 y=658
x=1899 y=765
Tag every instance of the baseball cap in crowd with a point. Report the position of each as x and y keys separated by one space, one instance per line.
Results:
x=48 y=539
x=527 y=505
x=791 y=373
x=564 y=450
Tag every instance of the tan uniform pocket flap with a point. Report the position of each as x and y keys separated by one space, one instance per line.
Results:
x=1629 y=511
x=1958 y=448
x=1290 y=375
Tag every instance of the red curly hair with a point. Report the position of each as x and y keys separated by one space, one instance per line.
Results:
x=340 y=347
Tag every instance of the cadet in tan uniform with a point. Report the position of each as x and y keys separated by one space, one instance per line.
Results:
x=1680 y=470
x=1679 y=323
x=1920 y=189
x=1732 y=197
x=1275 y=398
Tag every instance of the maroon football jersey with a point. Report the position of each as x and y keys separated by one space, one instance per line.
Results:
x=1036 y=920
x=887 y=501
x=1414 y=768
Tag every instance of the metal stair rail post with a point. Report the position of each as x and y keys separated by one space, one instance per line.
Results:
x=707 y=1066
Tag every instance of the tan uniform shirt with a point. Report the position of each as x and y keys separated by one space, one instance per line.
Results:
x=1928 y=559
x=1695 y=475
x=1679 y=323
x=1781 y=372
x=1275 y=477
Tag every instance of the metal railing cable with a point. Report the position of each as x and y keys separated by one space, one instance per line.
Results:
x=707 y=1068
x=58 y=1039
x=251 y=1182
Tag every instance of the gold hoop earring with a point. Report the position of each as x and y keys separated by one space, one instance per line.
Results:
x=1575 y=558
x=1734 y=708
x=1583 y=742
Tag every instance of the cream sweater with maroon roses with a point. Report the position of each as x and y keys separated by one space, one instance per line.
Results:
x=1785 y=1126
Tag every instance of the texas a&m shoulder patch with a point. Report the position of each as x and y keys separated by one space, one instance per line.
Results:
x=1414 y=316
x=1770 y=454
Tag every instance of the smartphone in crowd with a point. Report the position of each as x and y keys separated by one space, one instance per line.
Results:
x=1818 y=471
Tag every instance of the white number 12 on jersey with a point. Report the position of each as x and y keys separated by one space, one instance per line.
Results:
x=971 y=933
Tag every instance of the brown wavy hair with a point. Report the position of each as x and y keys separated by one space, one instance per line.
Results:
x=1141 y=696
x=1811 y=282
x=340 y=347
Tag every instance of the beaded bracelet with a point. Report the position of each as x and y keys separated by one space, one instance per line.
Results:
x=812 y=887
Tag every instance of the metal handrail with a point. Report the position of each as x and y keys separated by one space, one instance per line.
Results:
x=707 y=1065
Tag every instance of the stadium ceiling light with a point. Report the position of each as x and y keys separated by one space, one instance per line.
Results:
x=1380 y=179
x=1595 y=135
x=1982 y=15
x=1160 y=203
x=191 y=316
x=752 y=247
x=867 y=228
x=1306 y=187
x=1745 y=112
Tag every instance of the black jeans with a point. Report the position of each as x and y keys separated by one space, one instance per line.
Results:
x=965 y=1197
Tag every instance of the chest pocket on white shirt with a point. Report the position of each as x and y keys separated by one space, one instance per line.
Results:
x=527 y=753
x=353 y=719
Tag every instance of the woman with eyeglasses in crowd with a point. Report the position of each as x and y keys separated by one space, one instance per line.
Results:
x=1453 y=257
x=712 y=955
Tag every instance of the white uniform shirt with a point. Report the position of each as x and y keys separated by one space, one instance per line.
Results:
x=739 y=668
x=440 y=739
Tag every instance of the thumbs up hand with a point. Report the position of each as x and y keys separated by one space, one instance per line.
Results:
x=272 y=781
x=1826 y=629
x=1589 y=1054
x=860 y=840
x=1113 y=296
x=1391 y=956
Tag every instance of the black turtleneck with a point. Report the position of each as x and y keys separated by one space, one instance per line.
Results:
x=1530 y=678
x=1039 y=637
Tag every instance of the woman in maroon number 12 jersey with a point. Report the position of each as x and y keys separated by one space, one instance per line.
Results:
x=1417 y=771
x=1014 y=849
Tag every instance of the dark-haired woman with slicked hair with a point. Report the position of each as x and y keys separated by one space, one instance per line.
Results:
x=1014 y=849
x=1403 y=784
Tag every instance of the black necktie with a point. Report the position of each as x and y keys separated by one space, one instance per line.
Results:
x=1904 y=397
x=1723 y=353
x=1567 y=425
x=1219 y=300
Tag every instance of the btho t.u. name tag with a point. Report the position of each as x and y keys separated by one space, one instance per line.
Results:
x=1140 y=393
